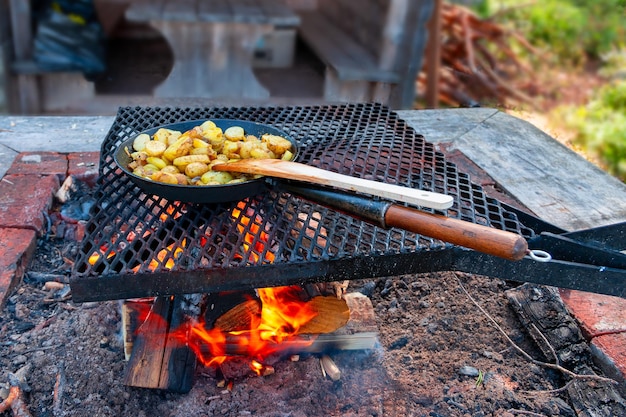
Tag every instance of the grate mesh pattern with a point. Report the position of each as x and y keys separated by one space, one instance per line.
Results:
x=133 y=235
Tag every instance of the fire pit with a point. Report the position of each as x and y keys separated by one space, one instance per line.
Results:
x=140 y=245
x=438 y=354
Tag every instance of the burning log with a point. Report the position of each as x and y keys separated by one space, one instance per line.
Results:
x=346 y=324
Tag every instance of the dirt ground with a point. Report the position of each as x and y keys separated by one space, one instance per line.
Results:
x=437 y=355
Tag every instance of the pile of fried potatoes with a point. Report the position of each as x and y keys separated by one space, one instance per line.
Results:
x=186 y=158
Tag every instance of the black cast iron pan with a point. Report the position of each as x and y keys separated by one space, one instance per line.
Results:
x=197 y=193
x=272 y=168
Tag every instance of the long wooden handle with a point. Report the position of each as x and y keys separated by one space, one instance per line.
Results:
x=470 y=235
x=301 y=172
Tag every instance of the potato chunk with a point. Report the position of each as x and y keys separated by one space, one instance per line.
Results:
x=139 y=144
x=234 y=133
x=276 y=144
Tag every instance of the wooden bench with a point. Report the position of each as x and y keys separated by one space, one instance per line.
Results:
x=372 y=49
x=352 y=72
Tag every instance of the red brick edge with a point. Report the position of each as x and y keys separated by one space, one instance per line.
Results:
x=26 y=195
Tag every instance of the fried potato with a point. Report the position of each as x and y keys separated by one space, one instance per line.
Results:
x=234 y=133
x=188 y=159
x=196 y=169
x=155 y=148
x=174 y=157
x=181 y=147
x=139 y=144
x=276 y=144
x=215 y=177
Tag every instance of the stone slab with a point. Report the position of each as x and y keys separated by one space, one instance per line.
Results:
x=548 y=178
x=596 y=313
x=54 y=133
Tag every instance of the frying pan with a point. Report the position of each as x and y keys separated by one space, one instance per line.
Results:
x=481 y=238
x=198 y=193
x=268 y=167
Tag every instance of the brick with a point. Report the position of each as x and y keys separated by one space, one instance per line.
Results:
x=24 y=199
x=17 y=247
x=40 y=163
x=596 y=313
x=84 y=166
x=610 y=350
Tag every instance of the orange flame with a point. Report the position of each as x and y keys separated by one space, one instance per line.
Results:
x=170 y=254
x=249 y=229
x=282 y=311
x=282 y=314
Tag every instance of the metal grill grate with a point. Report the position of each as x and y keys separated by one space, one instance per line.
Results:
x=143 y=245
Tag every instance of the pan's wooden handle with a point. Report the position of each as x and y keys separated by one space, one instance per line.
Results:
x=470 y=235
x=301 y=172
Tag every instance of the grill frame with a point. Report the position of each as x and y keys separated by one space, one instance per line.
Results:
x=364 y=140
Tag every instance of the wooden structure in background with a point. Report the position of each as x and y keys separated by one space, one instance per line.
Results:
x=31 y=90
x=432 y=57
x=372 y=49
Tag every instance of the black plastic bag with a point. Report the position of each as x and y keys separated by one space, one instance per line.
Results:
x=67 y=41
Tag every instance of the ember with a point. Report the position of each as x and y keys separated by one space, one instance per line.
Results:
x=249 y=229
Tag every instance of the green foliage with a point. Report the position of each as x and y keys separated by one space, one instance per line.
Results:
x=614 y=64
x=570 y=29
x=606 y=25
x=482 y=8
x=602 y=127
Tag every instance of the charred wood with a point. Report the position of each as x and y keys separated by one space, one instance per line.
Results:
x=158 y=360
x=557 y=334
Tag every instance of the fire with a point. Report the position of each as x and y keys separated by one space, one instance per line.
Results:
x=167 y=256
x=171 y=253
x=282 y=314
x=282 y=311
x=275 y=318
